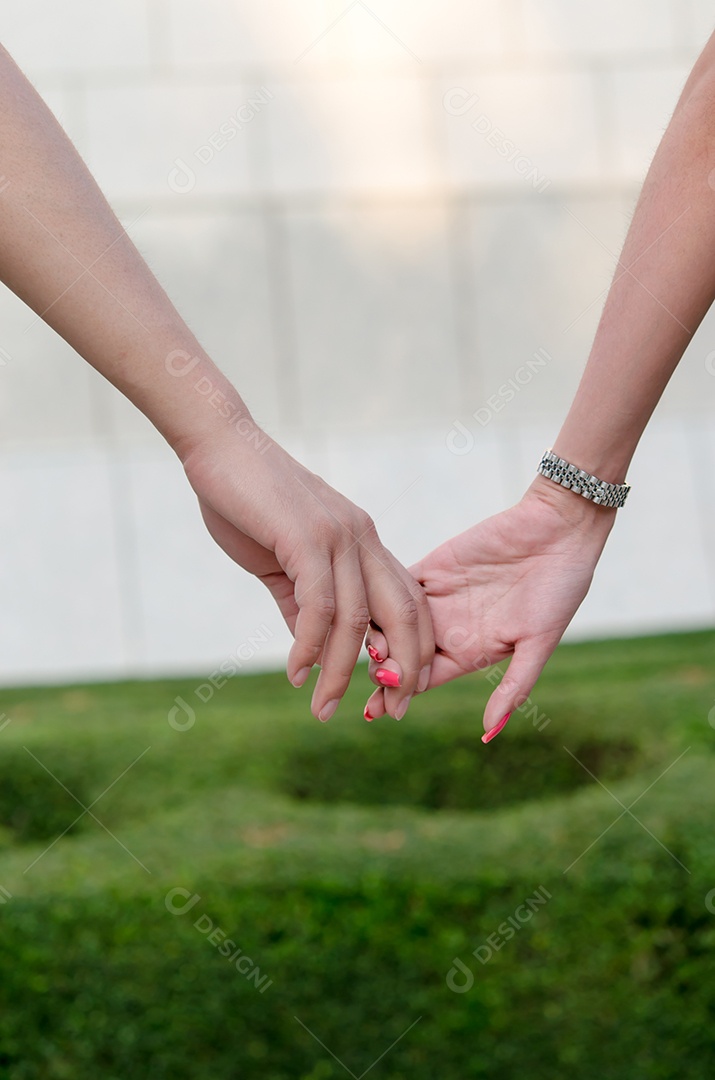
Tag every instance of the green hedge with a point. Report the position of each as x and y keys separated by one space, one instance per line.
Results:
x=608 y=978
x=439 y=768
x=35 y=805
x=611 y=977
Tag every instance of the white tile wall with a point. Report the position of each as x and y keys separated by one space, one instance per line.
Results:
x=351 y=134
x=527 y=127
x=59 y=579
x=78 y=37
x=526 y=297
x=643 y=102
x=396 y=33
x=691 y=390
x=374 y=329
x=418 y=490
x=113 y=572
x=215 y=268
x=136 y=132
x=369 y=268
x=701 y=18
x=657 y=570
x=196 y=606
x=44 y=386
x=334 y=32
x=702 y=466
x=274 y=32
x=211 y=34
x=608 y=28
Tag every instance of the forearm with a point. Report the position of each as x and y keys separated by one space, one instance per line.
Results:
x=662 y=288
x=63 y=252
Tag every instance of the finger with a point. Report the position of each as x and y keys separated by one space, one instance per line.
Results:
x=378 y=660
x=375 y=707
x=345 y=639
x=399 y=607
x=379 y=651
x=376 y=645
x=519 y=680
x=281 y=589
x=426 y=632
x=388 y=674
x=425 y=629
x=315 y=600
x=376 y=667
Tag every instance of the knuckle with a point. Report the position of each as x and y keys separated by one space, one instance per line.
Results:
x=323 y=606
x=357 y=620
x=407 y=613
x=325 y=533
x=365 y=526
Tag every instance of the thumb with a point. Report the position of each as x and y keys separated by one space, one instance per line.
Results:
x=526 y=665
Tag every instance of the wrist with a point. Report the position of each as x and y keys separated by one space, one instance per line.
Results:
x=207 y=414
x=601 y=453
x=575 y=511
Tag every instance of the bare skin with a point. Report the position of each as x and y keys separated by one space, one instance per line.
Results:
x=514 y=582
x=63 y=252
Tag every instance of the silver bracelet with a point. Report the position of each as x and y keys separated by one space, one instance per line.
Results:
x=582 y=483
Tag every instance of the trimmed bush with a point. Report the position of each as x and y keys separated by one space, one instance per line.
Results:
x=441 y=769
x=355 y=866
x=116 y=986
x=35 y=805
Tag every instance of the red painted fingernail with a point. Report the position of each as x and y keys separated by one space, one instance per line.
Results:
x=387 y=678
x=367 y=716
x=374 y=654
x=493 y=732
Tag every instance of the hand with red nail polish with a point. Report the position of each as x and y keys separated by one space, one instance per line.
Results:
x=386 y=677
x=510 y=586
x=387 y=673
x=505 y=588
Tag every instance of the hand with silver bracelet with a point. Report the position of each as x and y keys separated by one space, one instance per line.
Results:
x=510 y=586
x=507 y=587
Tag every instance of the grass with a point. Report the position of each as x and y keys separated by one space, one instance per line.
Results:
x=353 y=862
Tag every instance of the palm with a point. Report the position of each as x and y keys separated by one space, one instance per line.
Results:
x=508 y=585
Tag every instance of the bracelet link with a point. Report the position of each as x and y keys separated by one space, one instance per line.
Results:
x=582 y=483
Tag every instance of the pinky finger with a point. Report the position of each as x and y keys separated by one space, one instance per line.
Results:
x=375 y=707
x=376 y=645
x=524 y=669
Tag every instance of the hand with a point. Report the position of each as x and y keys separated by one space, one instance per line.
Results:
x=507 y=587
x=320 y=557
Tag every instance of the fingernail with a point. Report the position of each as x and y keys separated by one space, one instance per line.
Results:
x=386 y=677
x=300 y=676
x=374 y=654
x=327 y=710
x=367 y=716
x=489 y=735
x=402 y=708
x=423 y=679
